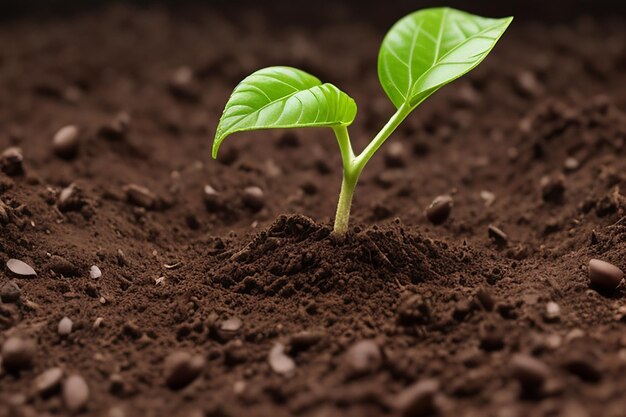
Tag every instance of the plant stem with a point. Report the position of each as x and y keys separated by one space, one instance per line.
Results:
x=353 y=165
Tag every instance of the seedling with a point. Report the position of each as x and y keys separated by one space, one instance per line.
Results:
x=420 y=54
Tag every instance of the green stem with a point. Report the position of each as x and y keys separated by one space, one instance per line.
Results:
x=353 y=165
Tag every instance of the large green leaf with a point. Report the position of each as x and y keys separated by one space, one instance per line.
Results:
x=282 y=97
x=430 y=48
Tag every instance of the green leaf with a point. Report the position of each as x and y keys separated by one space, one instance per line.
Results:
x=432 y=47
x=283 y=97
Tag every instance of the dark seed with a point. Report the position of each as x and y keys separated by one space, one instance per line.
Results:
x=66 y=142
x=253 y=198
x=497 y=235
x=440 y=209
x=182 y=368
x=603 y=275
x=140 y=196
x=18 y=354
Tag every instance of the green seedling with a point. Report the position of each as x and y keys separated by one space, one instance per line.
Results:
x=420 y=54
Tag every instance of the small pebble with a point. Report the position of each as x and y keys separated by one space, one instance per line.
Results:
x=75 y=393
x=117 y=128
x=394 y=155
x=70 y=199
x=94 y=272
x=497 y=235
x=604 y=276
x=279 y=361
x=488 y=197
x=229 y=328
x=571 y=164
x=553 y=312
x=182 y=368
x=98 y=322
x=527 y=84
x=20 y=268
x=65 y=326
x=530 y=372
x=18 y=353
x=11 y=161
x=48 y=381
x=363 y=358
x=10 y=292
x=418 y=399
x=440 y=209
x=65 y=142
x=253 y=198
x=140 y=196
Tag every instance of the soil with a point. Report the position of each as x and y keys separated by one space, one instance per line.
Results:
x=257 y=308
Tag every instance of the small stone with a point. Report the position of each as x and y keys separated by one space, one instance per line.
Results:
x=11 y=161
x=488 y=197
x=66 y=142
x=212 y=199
x=440 y=209
x=395 y=155
x=140 y=196
x=604 y=276
x=530 y=372
x=94 y=272
x=418 y=399
x=363 y=358
x=229 y=328
x=527 y=84
x=182 y=368
x=70 y=199
x=98 y=322
x=117 y=128
x=63 y=267
x=305 y=339
x=10 y=292
x=18 y=353
x=20 y=268
x=48 y=381
x=75 y=393
x=497 y=235
x=181 y=84
x=253 y=198
x=571 y=164
x=279 y=361
x=65 y=327
x=553 y=188
x=553 y=312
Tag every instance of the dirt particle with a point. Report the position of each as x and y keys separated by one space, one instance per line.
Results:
x=394 y=155
x=66 y=142
x=305 y=339
x=440 y=209
x=414 y=310
x=10 y=292
x=18 y=354
x=571 y=164
x=604 y=276
x=181 y=369
x=75 y=393
x=20 y=268
x=552 y=312
x=117 y=128
x=491 y=336
x=553 y=188
x=229 y=328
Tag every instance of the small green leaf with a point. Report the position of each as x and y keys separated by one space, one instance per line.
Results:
x=283 y=97
x=432 y=47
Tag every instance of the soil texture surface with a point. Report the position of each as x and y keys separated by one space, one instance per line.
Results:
x=139 y=277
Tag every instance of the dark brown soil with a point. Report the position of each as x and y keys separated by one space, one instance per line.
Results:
x=269 y=306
